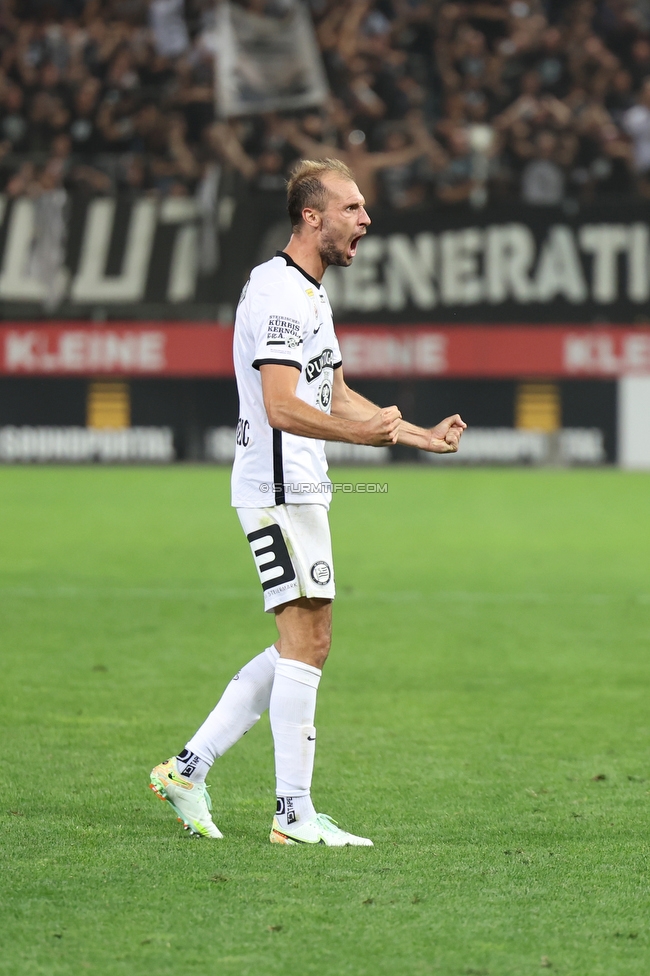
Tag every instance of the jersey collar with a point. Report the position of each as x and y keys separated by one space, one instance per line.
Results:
x=292 y=263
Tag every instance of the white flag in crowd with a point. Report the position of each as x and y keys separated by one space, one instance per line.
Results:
x=267 y=63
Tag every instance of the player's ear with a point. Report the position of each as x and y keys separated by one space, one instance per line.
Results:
x=311 y=217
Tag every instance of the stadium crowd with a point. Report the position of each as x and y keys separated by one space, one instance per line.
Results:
x=541 y=100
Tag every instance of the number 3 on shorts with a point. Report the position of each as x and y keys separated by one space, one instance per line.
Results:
x=271 y=556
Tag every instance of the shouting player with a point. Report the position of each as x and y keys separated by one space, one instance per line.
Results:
x=293 y=397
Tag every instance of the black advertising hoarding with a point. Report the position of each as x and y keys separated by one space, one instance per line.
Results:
x=518 y=264
x=143 y=258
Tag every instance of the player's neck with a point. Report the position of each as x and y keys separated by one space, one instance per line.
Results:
x=306 y=257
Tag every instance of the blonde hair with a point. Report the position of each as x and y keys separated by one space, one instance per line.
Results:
x=305 y=187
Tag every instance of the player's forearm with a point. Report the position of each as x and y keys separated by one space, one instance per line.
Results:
x=352 y=406
x=412 y=436
x=294 y=416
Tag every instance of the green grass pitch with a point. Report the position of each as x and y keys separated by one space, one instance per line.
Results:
x=483 y=717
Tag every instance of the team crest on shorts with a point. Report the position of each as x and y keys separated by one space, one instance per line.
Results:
x=321 y=573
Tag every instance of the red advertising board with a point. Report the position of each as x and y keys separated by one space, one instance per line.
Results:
x=493 y=351
x=194 y=350
x=118 y=349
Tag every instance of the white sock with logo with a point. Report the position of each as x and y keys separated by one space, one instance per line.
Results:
x=291 y=711
x=243 y=702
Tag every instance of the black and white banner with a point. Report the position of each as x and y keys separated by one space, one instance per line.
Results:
x=520 y=264
x=144 y=258
x=267 y=63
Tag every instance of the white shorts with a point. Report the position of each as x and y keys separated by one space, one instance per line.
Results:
x=292 y=549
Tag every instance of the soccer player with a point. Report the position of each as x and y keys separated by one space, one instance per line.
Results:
x=293 y=397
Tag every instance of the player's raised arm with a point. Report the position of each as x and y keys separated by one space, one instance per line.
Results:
x=287 y=412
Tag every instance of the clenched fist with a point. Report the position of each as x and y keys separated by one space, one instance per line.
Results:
x=382 y=429
x=446 y=436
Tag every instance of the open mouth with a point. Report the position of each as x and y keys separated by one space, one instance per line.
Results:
x=354 y=243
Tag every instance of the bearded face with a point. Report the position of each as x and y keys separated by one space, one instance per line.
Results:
x=337 y=221
x=336 y=248
x=344 y=224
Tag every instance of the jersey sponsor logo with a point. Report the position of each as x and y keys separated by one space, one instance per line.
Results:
x=321 y=572
x=315 y=366
x=242 y=434
x=271 y=556
x=283 y=330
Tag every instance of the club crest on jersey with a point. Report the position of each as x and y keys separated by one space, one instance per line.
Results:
x=324 y=395
x=315 y=366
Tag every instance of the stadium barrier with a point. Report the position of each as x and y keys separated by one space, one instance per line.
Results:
x=156 y=445
x=203 y=351
x=424 y=351
x=81 y=444
x=502 y=445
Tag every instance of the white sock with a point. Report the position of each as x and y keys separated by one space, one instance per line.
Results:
x=294 y=810
x=192 y=766
x=239 y=708
x=291 y=711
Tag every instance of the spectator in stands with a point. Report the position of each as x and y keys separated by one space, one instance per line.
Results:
x=14 y=119
x=552 y=67
x=619 y=96
x=366 y=165
x=131 y=85
x=405 y=185
x=611 y=170
x=456 y=181
x=168 y=27
x=640 y=61
x=543 y=179
x=84 y=129
x=636 y=123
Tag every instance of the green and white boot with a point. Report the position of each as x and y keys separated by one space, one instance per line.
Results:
x=191 y=801
x=321 y=829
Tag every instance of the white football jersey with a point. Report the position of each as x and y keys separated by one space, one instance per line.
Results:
x=284 y=316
